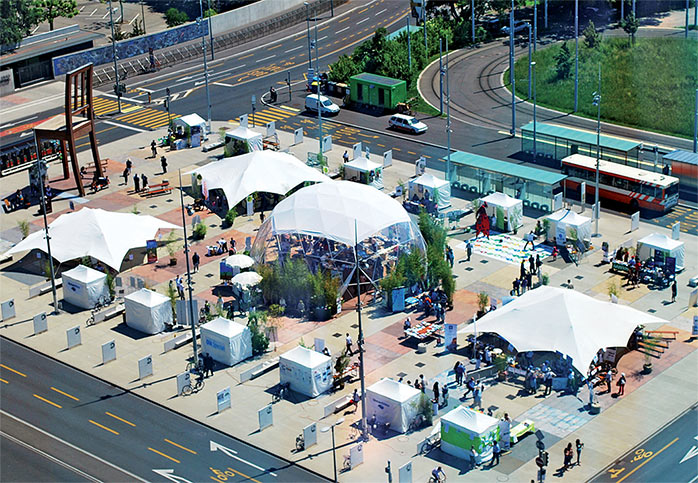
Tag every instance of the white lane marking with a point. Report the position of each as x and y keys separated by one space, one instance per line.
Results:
x=265 y=58
x=362 y=21
x=112 y=123
x=23 y=121
x=378 y=13
x=93 y=12
x=125 y=99
x=213 y=446
x=322 y=38
x=343 y=30
x=169 y=474
x=295 y=48
x=134 y=19
x=222 y=84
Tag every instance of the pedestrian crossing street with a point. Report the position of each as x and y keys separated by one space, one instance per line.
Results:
x=276 y=113
x=135 y=114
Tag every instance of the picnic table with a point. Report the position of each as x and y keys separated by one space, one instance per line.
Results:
x=423 y=331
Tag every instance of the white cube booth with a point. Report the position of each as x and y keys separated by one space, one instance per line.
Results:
x=306 y=371
x=226 y=341
x=393 y=402
x=147 y=311
x=84 y=286
x=657 y=242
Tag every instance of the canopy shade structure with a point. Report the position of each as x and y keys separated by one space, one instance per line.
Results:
x=103 y=235
x=507 y=210
x=563 y=320
x=306 y=371
x=322 y=224
x=226 y=341
x=247 y=139
x=392 y=402
x=436 y=189
x=190 y=120
x=464 y=430
x=147 y=311
x=364 y=171
x=259 y=171
x=649 y=245
x=246 y=279
x=575 y=226
x=84 y=286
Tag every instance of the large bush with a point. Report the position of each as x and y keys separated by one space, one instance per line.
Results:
x=174 y=17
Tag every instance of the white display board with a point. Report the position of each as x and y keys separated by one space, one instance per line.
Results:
x=560 y=235
x=310 y=435
x=319 y=344
x=8 y=309
x=676 y=230
x=271 y=128
x=388 y=158
x=183 y=380
x=183 y=313
x=145 y=367
x=557 y=202
x=250 y=206
x=223 y=400
x=243 y=120
x=694 y=330
x=327 y=143
x=74 y=336
x=405 y=473
x=356 y=455
x=298 y=136
x=108 y=351
x=693 y=298
x=266 y=417
x=635 y=221
x=451 y=337
x=356 y=150
x=583 y=193
x=40 y=323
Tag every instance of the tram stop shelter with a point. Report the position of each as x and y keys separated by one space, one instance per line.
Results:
x=480 y=176
x=553 y=143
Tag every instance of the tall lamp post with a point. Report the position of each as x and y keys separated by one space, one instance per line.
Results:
x=576 y=54
x=307 y=24
x=535 y=24
x=511 y=70
x=317 y=74
x=186 y=257
x=472 y=19
x=117 y=87
x=334 y=447
x=695 y=121
x=448 y=120
x=203 y=45
x=529 y=60
x=535 y=104
x=360 y=341
x=597 y=102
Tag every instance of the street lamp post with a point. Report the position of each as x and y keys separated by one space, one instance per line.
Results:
x=597 y=102
x=472 y=19
x=529 y=60
x=424 y=27
x=545 y=15
x=511 y=70
x=317 y=73
x=334 y=447
x=441 y=78
x=143 y=17
x=448 y=120
x=535 y=24
x=409 y=45
x=307 y=24
x=535 y=105
x=687 y=17
x=113 y=54
x=695 y=121
x=576 y=54
x=360 y=341
x=203 y=45
x=210 y=28
x=186 y=258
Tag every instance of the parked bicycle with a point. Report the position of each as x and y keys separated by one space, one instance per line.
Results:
x=280 y=393
x=300 y=442
x=102 y=303
x=196 y=386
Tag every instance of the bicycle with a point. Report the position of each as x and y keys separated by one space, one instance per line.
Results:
x=196 y=387
x=101 y=303
x=300 y=443
x=346 y=465
x=280 y=393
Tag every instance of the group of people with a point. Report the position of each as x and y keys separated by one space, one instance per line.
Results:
x=207 y=363
x=525 y=280
x=568 y=455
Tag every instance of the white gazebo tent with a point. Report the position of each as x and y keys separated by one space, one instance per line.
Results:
x=568 y=225
x=306 y=371
x=250 y=140
x=436 y=189
x=104 y=235
x=226 y=341
x=84 y=286
x=464 y=430
x=363 y=170
x=507 y=211
x=392 y=402
x=192 y=121
x=147 y=311
x=557 y=319
x=647 y=246
x=259 y=171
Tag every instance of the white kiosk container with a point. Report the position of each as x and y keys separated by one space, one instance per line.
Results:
x=226 y=341
x=392 y=402
x=306 y=371
x=84 y=286
x=147 y=311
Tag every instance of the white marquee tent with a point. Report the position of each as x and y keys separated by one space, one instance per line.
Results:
x=251 y=139
x=558 y=319
x=392 y=402
x=508 y=211
x=193 y=121
x=306 y=371
x=463 y=430
x=428 y=183
x=363 y=170
x=147 y=311
x=258 y=171
x=573 y=225
x=84 y=286
x=226 y=341
x=647 y=246
x=104 y=235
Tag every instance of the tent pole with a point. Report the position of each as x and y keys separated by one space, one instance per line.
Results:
x=186 y=258
x=360 y=341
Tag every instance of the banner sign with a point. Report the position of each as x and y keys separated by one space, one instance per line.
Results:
x=74 y=337
x=40 y=323
x=451 y=336
x=108 y=351
x=223 y=399
x=151 y=249
x=145 y=367
x=266 y=417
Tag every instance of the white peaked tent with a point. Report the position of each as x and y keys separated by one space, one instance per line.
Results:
x=252 y=139
x=306 y=371
x=363 y=170
x=428 y=183
x=259 y=171
x=508 y=211
x=646 y=247
x=84 y=286
x=575 y=226
x=464 y=430
x=226 y=341
x=557 y=319
x=392 y=402
x=193 y=121
x=147 y=311
x=104 y=235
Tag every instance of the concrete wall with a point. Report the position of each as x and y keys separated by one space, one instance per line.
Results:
x=249 y=14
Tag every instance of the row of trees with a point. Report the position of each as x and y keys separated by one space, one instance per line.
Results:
x=19 y=17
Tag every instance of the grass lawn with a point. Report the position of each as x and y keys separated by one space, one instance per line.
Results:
x=650 y=85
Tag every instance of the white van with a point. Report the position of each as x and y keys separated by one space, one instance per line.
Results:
x=328 y=107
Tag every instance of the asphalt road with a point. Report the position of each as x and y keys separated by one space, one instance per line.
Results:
x=105 y=433
x=671 y=455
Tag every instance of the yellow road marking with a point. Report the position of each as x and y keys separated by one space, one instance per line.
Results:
x=243 y=475
x=245 y=56
x=104 y=427
x=163 y=454
x=65 y=394
x=362 y=11
x=10 y=369
x=649 y=459
x=180 y=446
x=323 y=28
x=131 y=109
x=47 y=401
x=287 y=108
x=411 y=152
x=3 y=380
x=120 y=419
x=274 y=47
x=343 y=20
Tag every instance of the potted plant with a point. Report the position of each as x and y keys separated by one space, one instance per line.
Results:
x=500 y=364
x=229 y=219
x=199 y=232
x=171 y=247
x=649 y=343
x=340 y=366
x=256 y=322
x=483 y=301
x=23 y=226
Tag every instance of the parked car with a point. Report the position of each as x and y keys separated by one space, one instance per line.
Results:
x=327 y=106
x=519 y=26
x=407 y=123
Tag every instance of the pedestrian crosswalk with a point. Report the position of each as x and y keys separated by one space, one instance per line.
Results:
x=103 y=106
x=276 y=113
x=148 y=118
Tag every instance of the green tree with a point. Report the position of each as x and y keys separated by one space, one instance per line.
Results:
x=592 y=38
x=564 y=61
x=52 y=9
x=174 y=17
x=17 y=18
x=344 y=68
x=630 y=24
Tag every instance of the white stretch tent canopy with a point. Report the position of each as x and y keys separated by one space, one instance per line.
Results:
x=259 y=171
x=306 y=371
x=252 y=139
x=575 y=226
x=84 y=286
x=463 y=430
x=192 y=121
x=508 y=211
x=428 y=183
x=559 y=319
x=658 y=242
x=363 y=170
x=392 y=402
x=226 y=341
x=148 y=311
x=103 y=235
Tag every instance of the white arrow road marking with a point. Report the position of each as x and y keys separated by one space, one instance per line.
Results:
x=25 y=133
x=231 y=452
x=691 y=452
x=169 y=474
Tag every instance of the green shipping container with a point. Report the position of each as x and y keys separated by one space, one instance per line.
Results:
x=377 y=90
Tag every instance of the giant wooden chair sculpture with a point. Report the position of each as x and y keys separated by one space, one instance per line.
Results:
x=77 y=121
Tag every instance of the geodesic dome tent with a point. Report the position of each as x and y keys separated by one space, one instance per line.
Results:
x=323 y=223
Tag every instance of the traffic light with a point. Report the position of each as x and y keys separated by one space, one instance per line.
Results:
x=544 y=454
x=119 y=89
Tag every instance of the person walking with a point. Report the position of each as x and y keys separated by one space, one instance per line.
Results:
x=129 y=165
x=422 y=384
x=539 y=264
x=621 y=384
x=345 y=156
x=154 y=149
x=477 y=394
x=126 y=176
x=459 y=369
x=609 y=380
x=495 y=453
x=435 y=390
x=548 y=380
x=522 y=271
x=208 y=365
x=469 y=387
x=673 y=291
x=532 y=264
x=524 y=284
x=137 y=182
x=469 y=249
x=348 y=342
x=579 y=446
x=517 y=286
x=355 y=398
x=144 y=181
x=567 y=456
x=195 y=260
x=163 y=163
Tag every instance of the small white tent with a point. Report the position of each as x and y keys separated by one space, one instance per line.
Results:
x=147 y=311
x=464 y=430
x=429 y=185
x=83 y=286
x=646 y=248
x=306 y=371
x=226 y=341
x=250 y=140
x=363 y=170
x=508 y=211
x=568 y=225
x=392 y=402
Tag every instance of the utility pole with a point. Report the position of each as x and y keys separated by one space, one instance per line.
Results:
x=545 y=21
x=424 y=27
x=319 y=104
x=409 y=45
x=597 y=103
x=472 y=19
x=576 y=54
x=511 y=70
x=529 y=60
x=167 y=105
x=535 y=104
x=622 y=10
x=210 y=28
x=360 y=341
x=203 y=45
x=441 y=79
x=634 y=13
x=448 y=120
x=143 y=17
x=186 y=257
x=307 y=24
x=117 y=86
x=535 y=24
x=687 y=17
x=695 y=121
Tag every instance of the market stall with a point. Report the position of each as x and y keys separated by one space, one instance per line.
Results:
x=657 y=244
x=429 y=188
x=226 y=341
x=191 y=126
x=568 y=225
x=363 y=170
x=506 y=210
x=242 y=140
x=234 y=264
x=147 y=311
x=392 y=402
x=306 y=371
x=84 y=286
x=464 y=431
